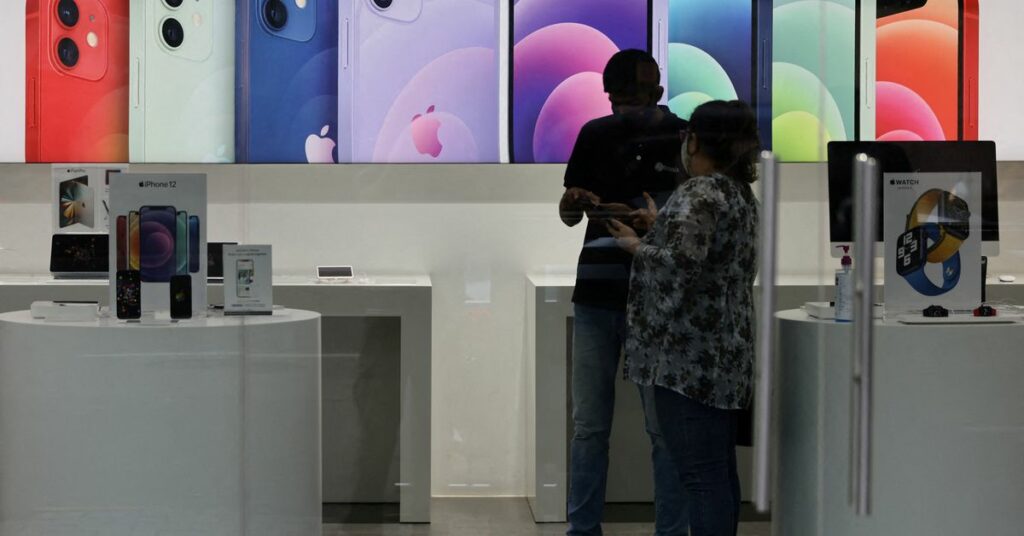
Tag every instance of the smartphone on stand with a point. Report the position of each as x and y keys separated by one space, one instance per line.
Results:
x=76 y=81
x=705 y=63
x=558 y=52
x=182 y=66
x=418 y=81
x=245 y=277
x=286 y=81
x=129 y=294
x=181 y=297
x=927 y=81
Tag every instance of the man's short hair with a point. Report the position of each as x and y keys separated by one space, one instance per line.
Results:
x=621 y=72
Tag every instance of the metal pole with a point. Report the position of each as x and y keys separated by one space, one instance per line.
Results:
x=769 y=171
x=866 y=177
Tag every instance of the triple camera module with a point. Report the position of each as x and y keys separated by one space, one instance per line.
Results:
x=67 y=49
x=171 y=30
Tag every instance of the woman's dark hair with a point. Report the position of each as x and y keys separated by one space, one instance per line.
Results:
x=727 y=133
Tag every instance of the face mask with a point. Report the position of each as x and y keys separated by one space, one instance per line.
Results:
x=686 y=157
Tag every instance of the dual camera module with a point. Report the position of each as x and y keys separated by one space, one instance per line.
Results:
x=67 y=49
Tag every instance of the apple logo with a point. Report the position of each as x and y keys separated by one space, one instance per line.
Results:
x=320 y=149
x=424 y=133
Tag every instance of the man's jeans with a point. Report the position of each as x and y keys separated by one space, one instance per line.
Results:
x=598 y=336
x=702 y=441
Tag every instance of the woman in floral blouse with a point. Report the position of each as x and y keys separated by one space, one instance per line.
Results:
x=690 y=312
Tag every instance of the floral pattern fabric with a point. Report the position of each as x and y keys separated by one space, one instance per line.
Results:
x=691 y=306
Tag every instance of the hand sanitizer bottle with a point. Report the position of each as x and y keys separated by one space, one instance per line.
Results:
x=844 y=288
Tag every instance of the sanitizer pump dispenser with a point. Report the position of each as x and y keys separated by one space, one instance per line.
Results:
x=844 y=288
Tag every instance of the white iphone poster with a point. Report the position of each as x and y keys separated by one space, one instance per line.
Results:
x=248 y=285
x=158 y=244
x=932 y=232
x=81 y=197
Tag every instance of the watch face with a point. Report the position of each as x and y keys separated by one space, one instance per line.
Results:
x=955 y=216
x=911 y=251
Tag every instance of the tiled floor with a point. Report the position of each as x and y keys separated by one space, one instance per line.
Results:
x=499 y=517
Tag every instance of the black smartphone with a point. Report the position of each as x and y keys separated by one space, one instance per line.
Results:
x=129 y=294
x=181 y=296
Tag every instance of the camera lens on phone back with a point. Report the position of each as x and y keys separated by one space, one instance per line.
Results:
x=173 y=33
x=67 y=52
x=275 y=13
x=67 y=12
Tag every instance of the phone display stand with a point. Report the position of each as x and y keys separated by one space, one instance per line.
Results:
x=150 y=318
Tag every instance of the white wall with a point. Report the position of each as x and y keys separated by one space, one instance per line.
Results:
x=476 y=230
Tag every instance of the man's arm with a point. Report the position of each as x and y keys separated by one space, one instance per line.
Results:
x=575 y=201
x=580 y=176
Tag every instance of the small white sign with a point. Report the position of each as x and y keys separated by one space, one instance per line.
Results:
x=248 y=285
x=81 y=197
x=932 y=241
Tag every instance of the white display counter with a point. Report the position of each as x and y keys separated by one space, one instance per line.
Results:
x=948 y=429
x=549 y=327
x=206 y=426
x=406 y=298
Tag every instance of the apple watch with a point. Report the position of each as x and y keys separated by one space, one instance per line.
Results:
x=954 y=221
x=913 y=254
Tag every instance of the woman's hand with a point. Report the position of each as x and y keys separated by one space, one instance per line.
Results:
x=643 y=219
x=624 y=235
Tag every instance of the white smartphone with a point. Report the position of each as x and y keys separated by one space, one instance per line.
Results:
x=182 y=87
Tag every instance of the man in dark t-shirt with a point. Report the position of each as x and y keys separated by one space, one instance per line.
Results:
x=623 y=166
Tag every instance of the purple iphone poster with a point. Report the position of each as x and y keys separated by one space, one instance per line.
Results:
x=559 y=52
x=418 y=81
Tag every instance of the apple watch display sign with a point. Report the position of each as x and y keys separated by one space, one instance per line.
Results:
x=933 y=244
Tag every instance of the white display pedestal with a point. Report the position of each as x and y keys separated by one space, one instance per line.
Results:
x=948 y=429
x=406 y=298
x=209 y=426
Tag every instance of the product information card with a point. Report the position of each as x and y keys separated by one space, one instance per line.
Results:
x=248 y=285
x=932 y=241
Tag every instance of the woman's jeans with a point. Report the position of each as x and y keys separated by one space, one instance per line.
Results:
x=598 y=336
x=702 y=442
